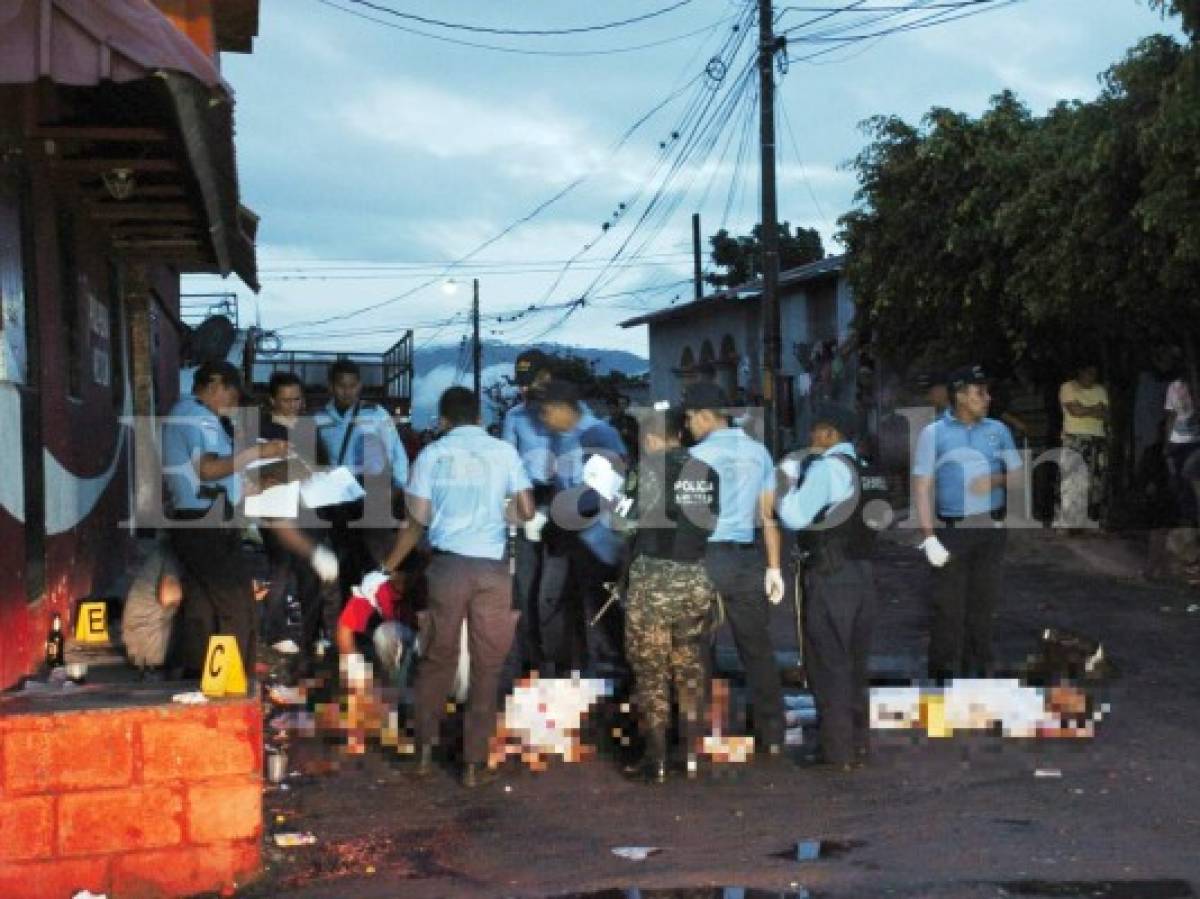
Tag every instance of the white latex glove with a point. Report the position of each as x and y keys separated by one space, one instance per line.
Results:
x=937 y=554
x=533 y=527
x=600 y=475
x=324 y=562
x=355 y=670
x=773 y=585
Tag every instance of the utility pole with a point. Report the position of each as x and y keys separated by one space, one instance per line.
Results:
x=476 y=346
x=697 y=278
x=768 y=45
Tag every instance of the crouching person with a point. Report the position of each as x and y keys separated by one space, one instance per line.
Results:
x=377 y=623
x=149 y=613
x=460 y=488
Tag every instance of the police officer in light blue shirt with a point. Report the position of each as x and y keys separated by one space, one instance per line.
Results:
x=964 y=464
x=457 y=494
x=203 y=474
x=362 y=437
x=746 y=572
x=357 y=434
x=524 y=431
x=582 y=527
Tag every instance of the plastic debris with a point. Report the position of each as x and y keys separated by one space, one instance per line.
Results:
x=291 y=840
x=195 y=697
x=282 y=695
x=635 y=853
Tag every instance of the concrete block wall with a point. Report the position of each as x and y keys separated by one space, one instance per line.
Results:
x=135 y=803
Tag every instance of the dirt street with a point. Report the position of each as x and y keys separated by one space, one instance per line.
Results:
x=961 y=817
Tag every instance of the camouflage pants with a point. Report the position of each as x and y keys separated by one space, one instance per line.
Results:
x=666 y=619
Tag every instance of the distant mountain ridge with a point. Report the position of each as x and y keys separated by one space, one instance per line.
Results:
x=436 y=367
x=496 y=353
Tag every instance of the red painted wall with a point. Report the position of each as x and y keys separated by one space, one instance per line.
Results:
x=82 y=432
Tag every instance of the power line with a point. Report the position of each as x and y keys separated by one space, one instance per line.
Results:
x=537 y=32
x=520 y=51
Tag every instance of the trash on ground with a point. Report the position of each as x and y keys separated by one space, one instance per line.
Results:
x=281 y=695
x=302 y=723
x=986 y=704
x=194 y=697
x=636 y=853
x=291 y=840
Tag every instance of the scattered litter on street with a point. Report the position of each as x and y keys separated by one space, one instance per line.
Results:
x=636 y=853
x=283 y=695
x=292 y=839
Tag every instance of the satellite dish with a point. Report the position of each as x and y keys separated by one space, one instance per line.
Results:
x=212 y=339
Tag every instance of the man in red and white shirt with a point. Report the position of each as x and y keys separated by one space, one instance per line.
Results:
x=378 y=621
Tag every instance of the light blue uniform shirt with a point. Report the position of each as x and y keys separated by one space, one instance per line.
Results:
x=532 y=440
x=956 y=454
x=590 y=436
x=193 y=430
x=375 y=445
x=466 y=476
x=746 y=471
x=826 y=483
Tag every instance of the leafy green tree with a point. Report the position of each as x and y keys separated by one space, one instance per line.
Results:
x=740 y=257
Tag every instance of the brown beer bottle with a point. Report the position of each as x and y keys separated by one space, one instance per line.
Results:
x=55 y=644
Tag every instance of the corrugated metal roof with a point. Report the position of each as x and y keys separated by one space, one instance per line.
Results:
x=751 y=290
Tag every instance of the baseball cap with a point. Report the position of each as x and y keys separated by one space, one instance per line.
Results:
x=968 y=374
x=527 y=365
x=704 y=395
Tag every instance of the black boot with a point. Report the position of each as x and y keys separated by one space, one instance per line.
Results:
x=652 y=766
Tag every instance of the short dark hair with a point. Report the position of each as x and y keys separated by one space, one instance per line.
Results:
x=459 y=406
x=561 y=392
x=218 y=370
x=281 y=379
x=344 y=367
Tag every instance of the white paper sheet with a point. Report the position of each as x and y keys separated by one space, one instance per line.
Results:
x=282 y=501
x=329 y=488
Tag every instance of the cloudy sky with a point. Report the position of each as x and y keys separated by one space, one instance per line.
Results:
x=377 y=157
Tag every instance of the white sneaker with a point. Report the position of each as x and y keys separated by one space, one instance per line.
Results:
x=286 y=647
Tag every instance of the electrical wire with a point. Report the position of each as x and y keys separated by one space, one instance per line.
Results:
x=537 y=32
x=520 y=51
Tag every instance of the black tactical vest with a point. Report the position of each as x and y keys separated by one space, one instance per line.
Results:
x=847 y=531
